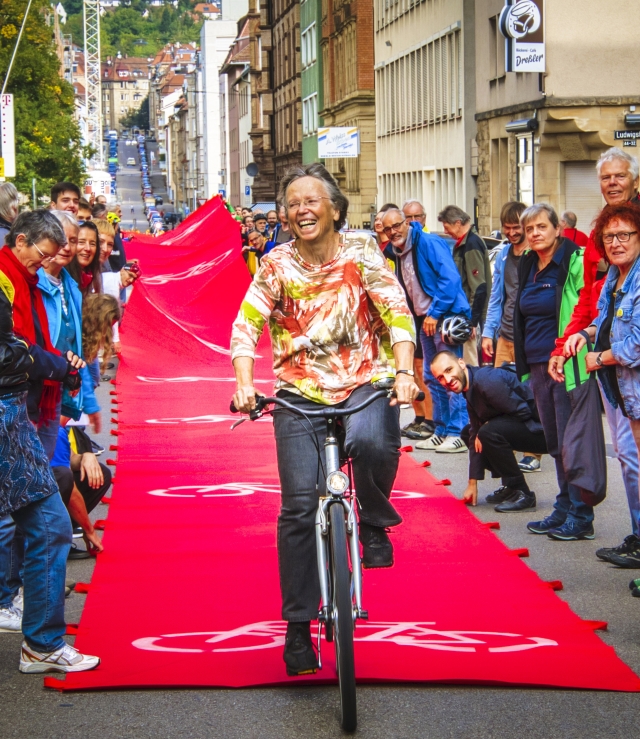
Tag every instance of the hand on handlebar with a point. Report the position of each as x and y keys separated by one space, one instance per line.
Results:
x=244 y=398
x=405 y=389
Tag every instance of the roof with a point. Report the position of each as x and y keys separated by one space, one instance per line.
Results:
x=207 y=8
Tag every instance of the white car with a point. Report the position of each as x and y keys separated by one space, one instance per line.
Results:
x=131 y=162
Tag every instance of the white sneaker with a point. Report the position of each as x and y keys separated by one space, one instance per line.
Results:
x=433 y=442
x=18 y=601
x=10 y=619
x=65 y=659
x=452 y=445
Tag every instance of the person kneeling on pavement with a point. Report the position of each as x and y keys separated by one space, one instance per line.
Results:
x=502 y=419
x=82 y=481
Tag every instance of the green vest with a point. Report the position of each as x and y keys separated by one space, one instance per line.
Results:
x=570 y=295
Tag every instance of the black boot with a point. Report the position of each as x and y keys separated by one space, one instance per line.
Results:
x=520 y=501
x=299 y=655
x=377 y=549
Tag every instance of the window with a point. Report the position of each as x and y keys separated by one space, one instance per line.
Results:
x=310 y=115
x=496 y=50
x=308 y=44
x=525 y=168
x=422 y=87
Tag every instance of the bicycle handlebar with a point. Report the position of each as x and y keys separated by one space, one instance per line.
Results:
x=329 y=412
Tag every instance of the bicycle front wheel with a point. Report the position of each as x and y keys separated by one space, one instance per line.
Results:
x=342 y=606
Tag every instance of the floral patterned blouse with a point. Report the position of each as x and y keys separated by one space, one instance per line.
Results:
x=326 y=321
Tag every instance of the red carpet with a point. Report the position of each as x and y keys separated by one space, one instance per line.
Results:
x=194 y=508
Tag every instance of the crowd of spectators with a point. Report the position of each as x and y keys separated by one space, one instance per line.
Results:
x=63 y=281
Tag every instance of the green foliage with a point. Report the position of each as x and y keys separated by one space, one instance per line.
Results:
x=48 y=143
x=139 y=118
x=123 y=29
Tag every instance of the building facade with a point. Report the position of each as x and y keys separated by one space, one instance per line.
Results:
x=262 y=132
x=425 y=93
x=286 y=85
x=539 y=134
x=311 y=76
x=349 y=100
x=125 y=84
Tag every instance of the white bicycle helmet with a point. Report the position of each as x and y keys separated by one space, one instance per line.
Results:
x=455 y=330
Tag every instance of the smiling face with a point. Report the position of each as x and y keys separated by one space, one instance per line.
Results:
x=396 y=228
x=310 y=211
x=34 y=256
x=450 y=372
x=514 y=233
x=87 y=245
x=106 y=247
x=616 y=182
x=68 y=252
x=621 y=254
x=68 y=201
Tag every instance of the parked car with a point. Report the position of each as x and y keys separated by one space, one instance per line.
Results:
x=131 y=162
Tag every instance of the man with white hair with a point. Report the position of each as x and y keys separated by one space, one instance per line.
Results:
x=414 y=211
x=618 y=173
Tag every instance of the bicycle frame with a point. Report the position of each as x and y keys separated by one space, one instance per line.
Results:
x=332 y=464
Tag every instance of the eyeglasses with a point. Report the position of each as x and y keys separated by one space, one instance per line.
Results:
x=415 y=217
x=395 y=227
x=46 y=259
x=622 y=236
x=308 y=203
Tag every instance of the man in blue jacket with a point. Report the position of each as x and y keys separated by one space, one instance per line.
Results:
x=428 y=274
x=502 y=418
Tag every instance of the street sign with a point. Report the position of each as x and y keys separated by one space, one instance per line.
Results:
x=247 y=190
x=7 y=136
x=626 y=135
x=338 y=143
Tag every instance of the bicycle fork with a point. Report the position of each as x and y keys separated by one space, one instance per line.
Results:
x=337 y=484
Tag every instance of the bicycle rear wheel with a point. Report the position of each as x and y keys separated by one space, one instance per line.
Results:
x=342 y=606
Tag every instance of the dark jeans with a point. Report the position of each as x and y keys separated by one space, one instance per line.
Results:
x=372 y=442
x=554 y=409
x=500 y=437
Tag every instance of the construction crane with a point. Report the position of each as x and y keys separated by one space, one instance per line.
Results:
x=92 y=72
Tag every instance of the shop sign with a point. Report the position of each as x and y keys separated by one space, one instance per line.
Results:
x=522 y=25
x=338 y=143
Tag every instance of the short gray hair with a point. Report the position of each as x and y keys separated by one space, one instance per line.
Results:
x=610 y=155
x=338 y=199
x=569 y=218
x=452 y=213
x=537 y=209
x=65 y=218
x=36 y=226
x=413 y=201
x=9 y=200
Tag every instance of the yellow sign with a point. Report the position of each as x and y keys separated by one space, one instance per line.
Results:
x=1 y=167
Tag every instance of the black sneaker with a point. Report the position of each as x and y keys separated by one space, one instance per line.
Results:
x=520 y=501
x=630 y=544
x=377 y=549
x=500 y=495
x=553 y=521
x=572 y=531
x=299 y=655
x=636 y=592
x=77 y=553
x=629 y=559
x=419 y=431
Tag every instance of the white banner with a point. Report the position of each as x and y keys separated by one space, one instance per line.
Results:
x=522 y=25
x=7 y=136
x=338 y=143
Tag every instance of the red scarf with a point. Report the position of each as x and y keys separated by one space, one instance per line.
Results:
x=28 y=300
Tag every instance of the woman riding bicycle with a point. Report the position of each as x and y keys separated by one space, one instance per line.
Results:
x=328 y=298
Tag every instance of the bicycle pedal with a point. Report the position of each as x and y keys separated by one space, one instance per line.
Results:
x=290 y=673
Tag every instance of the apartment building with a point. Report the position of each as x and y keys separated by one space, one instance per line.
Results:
x=125 y=84
x=311 y=76
x=287 y=116
x=349 y=99
x=539 y=134
x=425 y=103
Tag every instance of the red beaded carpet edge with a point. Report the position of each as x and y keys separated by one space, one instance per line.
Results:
x=193 y=512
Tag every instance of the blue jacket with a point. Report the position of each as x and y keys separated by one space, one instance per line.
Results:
x=437 y=273
x=85 y=401
x=496 y=299
x=625 y=337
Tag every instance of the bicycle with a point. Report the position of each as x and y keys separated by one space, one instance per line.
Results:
x=337 y=544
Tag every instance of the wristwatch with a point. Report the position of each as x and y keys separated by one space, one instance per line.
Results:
x=411 y=373
x=599 y=359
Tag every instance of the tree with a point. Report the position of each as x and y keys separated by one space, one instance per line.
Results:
x=137 y=118
x=48 y=141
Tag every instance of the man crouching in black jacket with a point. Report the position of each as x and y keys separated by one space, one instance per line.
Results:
x=503 y=419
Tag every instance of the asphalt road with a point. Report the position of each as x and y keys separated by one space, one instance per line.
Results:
x=593 y=589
